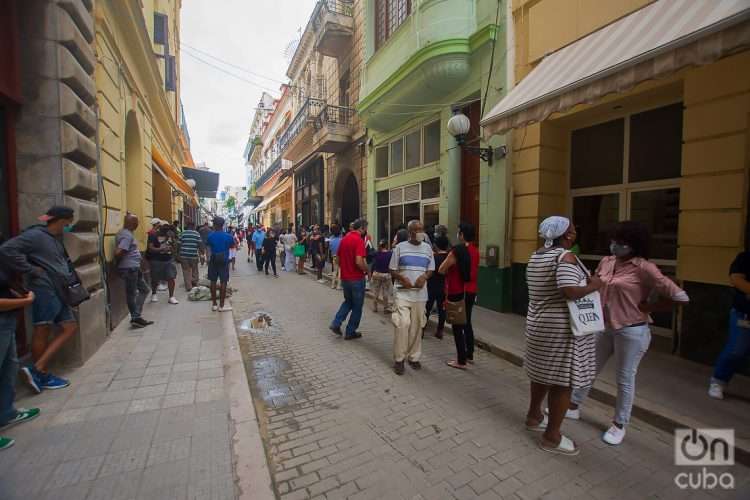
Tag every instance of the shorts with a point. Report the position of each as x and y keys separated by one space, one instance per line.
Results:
x=48 y=309
x=220 y=272
x=162 y=270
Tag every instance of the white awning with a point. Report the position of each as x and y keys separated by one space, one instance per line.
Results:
x=653 y=42
x=268 y=199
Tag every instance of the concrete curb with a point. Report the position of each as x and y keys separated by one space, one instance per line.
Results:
x=251 y=474
x=653 y=414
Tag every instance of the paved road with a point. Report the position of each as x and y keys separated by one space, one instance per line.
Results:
x=338 y=423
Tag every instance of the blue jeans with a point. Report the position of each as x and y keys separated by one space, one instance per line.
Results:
x=354 y=300
x=48 y=309
x=8 y=367
x=735 y=350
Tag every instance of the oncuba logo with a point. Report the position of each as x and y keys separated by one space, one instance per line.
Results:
x=704 y=447
x=587 y=311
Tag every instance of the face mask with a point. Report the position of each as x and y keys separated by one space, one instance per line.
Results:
x=68 y=228
x=161 y=239
x=619 y=250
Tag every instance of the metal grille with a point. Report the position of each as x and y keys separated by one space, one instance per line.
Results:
x=397 y=196
x=411 y=193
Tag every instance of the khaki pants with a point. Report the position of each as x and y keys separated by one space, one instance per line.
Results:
x=382 y=288
x=408 y=320
x=335 y=273
x=189 y=271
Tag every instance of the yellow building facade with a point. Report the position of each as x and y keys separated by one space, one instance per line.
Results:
x=141 y=145
x=672 y=151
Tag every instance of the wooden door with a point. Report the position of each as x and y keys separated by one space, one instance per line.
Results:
x=470 y=171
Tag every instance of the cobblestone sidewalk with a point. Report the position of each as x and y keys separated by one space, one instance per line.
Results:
x=147 y=417
x=338 y=423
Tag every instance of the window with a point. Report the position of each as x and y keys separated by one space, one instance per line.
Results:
x=381 y=161
x=607 y=187
x=413 y=149
x=161 y=29
x=417 y=148
x=170 y=73
x=389 y=15
x=432 y=142
x=397 y=157
x=402 y=204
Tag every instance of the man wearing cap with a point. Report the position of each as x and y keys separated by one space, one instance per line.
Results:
x=37 y=253
x=219 y=242
x=128 y=259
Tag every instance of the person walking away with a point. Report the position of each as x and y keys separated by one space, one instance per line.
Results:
x=190 y=248
x=461 y=269
x=333 y=246
x=250 y=244
x=737 y=346
x=303 y=240
x=436 y=285
x=39 y=254
x=317 y=253
x=129 y=260
x=412 y=264
x=352 y=254
x=258 y=236
x=161 y=260
x=219 y=243
x=204 y=230
x=289 y=240
x=13 y=298
x=556 y=360
x=233 y=250
x=269 y=252
x=629 y=281
x=382 y=281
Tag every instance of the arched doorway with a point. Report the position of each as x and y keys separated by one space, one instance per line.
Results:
x=134 y=198
x=349 y=196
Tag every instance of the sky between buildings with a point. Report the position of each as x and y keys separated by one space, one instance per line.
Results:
x=247 y=34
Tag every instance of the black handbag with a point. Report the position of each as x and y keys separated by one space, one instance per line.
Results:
x=69 y=288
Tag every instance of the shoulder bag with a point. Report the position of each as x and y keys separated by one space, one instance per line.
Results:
x=455 y=312
x=586 y=313
x=70 y=289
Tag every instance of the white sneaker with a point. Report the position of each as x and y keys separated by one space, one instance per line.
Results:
x=614 y=435
x=173 y=300
x=716 y=391
x=225 y=308
x=569 y=414
x=321 y=281
x=161 y=287
x=214 y=308
x=154 y=298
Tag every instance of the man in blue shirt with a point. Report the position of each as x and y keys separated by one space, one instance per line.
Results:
x=258 y=236
x=219 y=242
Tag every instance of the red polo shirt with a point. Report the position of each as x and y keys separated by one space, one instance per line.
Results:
x=351 y=247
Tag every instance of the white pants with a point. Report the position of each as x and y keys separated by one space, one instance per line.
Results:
x=408 y=320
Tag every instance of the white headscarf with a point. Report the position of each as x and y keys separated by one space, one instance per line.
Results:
x=552 y=228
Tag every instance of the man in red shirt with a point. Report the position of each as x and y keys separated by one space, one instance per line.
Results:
x=353 y=266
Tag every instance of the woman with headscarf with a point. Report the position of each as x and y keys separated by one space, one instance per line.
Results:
x=556 y=361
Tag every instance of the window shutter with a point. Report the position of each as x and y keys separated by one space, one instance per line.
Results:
x=170 y=73
x=397 y=196
x=411 y=193
x=161 y=28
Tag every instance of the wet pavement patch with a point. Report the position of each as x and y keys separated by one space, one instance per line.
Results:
x=258 y=322
x=269 y=380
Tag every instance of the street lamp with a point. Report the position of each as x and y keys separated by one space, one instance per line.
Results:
x=458 y=126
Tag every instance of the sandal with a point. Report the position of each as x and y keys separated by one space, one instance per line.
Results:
x=540 y=427
x=566 y=447
x=454 y=364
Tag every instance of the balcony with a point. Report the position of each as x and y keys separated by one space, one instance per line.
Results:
x=297 y=141
x=333 y=23
x=270 y=171
x=333 y=129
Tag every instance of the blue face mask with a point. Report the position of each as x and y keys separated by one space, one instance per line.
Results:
x=68 y=228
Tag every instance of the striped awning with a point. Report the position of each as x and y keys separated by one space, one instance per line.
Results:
x=653 y=42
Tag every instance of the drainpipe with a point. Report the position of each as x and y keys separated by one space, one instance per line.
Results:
x=510 y=80
x=102 y=224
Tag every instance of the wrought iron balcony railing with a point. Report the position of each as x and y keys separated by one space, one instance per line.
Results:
x=275 y=167
x=338 y=115
x=309 y=111
x=343 y=7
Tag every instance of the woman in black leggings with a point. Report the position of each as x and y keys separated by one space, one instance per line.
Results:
x=460 y=269
x=269 y=252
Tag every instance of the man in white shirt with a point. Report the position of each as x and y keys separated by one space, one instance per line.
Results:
x=412 y=264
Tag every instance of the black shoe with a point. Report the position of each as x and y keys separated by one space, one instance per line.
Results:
x=355 y=335
x=142 y=322
x=336 y=330
x=416 y=365
x=398 y=367
x=133 y=324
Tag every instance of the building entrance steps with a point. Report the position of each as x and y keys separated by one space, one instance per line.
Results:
x=671 y=392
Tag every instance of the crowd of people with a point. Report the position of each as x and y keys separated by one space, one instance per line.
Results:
x=412 y=276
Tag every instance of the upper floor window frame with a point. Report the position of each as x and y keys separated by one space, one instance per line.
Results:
x=389 y=16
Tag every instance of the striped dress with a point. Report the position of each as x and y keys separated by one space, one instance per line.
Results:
x=553 y=355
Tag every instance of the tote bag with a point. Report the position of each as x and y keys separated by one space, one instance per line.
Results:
x=299 y=250
x=455 y=312
x=586 y=313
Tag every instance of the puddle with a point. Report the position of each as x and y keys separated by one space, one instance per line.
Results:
x=271 y=384
x=259 y=322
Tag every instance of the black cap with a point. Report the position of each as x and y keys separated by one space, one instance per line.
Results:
x=219 y=221
x=57 y=212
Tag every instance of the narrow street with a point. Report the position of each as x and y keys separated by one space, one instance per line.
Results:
x=338 y=423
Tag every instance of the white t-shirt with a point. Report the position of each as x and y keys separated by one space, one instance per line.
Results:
x=288 y=240
x=412 y=261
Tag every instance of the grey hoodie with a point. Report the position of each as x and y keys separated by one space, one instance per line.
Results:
x=34 y=248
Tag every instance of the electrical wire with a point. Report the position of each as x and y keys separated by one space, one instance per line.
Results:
x=232 y=65
x=238 y=77
x=492 y=59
